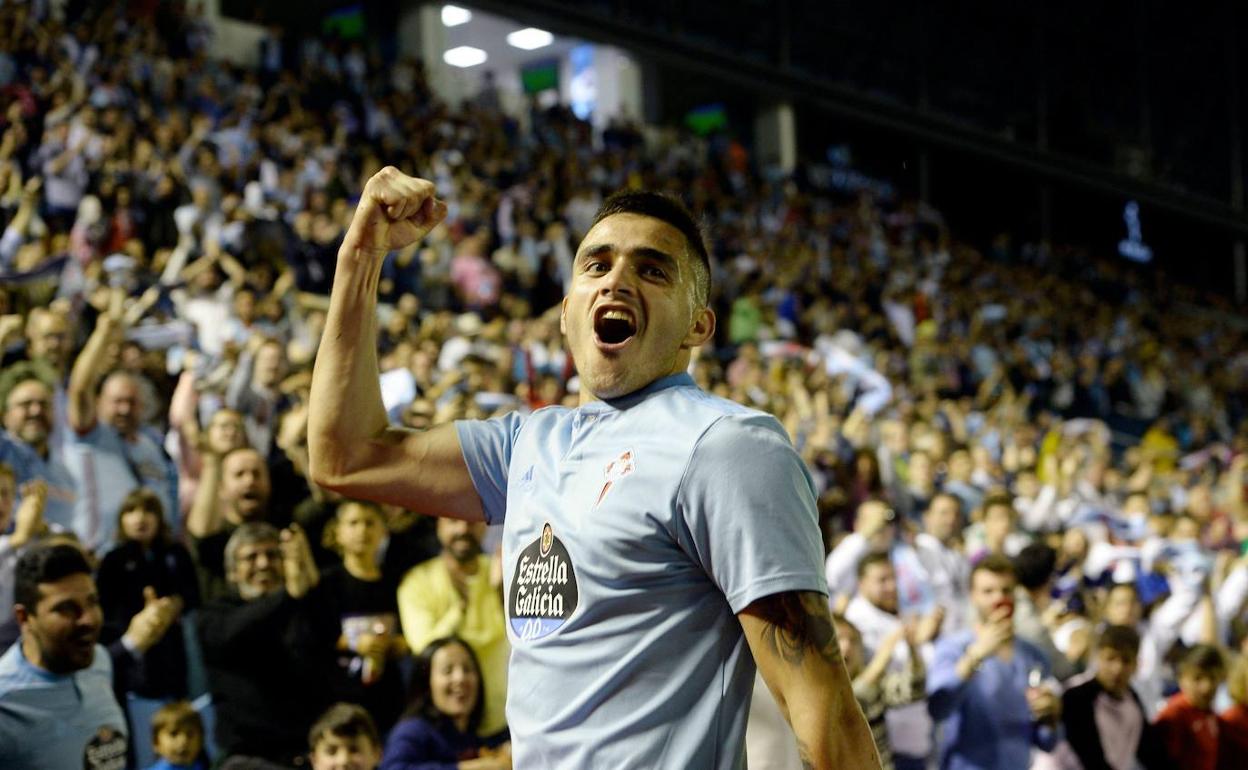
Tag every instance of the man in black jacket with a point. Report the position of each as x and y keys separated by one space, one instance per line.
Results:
x=1106 y=723
x=265 y=647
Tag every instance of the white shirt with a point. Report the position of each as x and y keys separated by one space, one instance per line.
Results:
x=909 y=726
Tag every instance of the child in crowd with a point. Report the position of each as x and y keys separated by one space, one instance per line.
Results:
x=148 y=561
x=178 y=738
x=363 y=600
x=1187 y=723
x=344 y=738
x=876 y=688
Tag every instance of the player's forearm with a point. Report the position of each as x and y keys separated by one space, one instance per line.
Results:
x=830 y=727
x=345 y=406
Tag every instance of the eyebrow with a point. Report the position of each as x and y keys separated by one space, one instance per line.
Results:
x=643 y=252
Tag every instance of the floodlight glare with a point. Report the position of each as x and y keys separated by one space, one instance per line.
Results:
x=530 y=38
x=453 y=15
x=464 y=56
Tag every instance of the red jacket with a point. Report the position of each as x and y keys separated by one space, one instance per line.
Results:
x=1189 y=734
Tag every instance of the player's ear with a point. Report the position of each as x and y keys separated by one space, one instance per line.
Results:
x=563 y=316
x=701 y=329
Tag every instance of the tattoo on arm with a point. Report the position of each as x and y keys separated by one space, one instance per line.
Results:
x=798 y=624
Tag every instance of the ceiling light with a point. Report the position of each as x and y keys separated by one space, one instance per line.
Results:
x=464 y=56
x=453 y=15
x=530 y=38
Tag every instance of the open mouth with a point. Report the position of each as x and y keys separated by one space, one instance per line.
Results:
x=614 y=327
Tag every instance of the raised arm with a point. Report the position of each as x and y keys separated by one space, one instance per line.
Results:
x=794 y=644
x=352 y=447
x=89 y=366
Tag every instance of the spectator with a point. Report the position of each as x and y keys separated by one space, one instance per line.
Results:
x=940 y=551
x=458 y=593
x=344 y=738
x=1032 y=601
x=1122 y=607
x=254 y=393
x=57 y=707
x=26 y=394
x=878 y=686
x=874 y=612
x=875 y=529
x=233 y=490
x=178 y=738
x=442 y=723
x=361 y=597
x=986 y=688
x=27 y=525
x=1187 y=724
x=1106 y=723
x=265 y=649
x=995 y=533
x=148 y=563
x=110 y=456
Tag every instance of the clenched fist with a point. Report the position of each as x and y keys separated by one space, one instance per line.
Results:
x=395 y=211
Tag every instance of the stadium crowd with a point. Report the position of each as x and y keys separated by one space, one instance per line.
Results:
x=1031 y=464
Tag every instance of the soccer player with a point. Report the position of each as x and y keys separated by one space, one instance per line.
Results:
x=657 y=541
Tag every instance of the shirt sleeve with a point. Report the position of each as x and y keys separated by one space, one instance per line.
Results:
x=746 y=512
x=487 y=445
x=945 y=689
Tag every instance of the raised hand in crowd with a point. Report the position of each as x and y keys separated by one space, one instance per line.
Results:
x=151 y=623
x=990 y=637
x=298 y=565
x=29 y=523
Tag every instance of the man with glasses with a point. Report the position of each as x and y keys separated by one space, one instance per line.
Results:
x=29 y=417
x=266 y=653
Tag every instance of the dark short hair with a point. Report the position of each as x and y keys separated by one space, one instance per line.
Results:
x=1034 y=565
x=1124 y=640
x=420 y=703
x=1205 y=658
x=345 y=720
x=45 y=564
x=996 y=564
x=872 y=558
x=666 y=209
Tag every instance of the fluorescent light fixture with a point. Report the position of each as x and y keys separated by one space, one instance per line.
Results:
x=453 y=15
x=530 y=38
x=464 y=56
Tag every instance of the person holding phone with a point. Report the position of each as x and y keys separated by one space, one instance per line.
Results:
x=991 y=691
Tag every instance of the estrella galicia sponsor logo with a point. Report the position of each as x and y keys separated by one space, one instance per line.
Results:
x=106 y=750
x=543 y=590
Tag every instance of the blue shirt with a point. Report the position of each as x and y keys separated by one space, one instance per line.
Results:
x=985 y=721
x=634 y=531
x=28 y=465
x=106 y=468
x=59 y=721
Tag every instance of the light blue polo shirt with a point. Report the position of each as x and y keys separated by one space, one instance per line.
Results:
x=105 y=468
x=634 y=531
x=52 y=721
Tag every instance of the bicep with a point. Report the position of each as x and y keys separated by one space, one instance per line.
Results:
x=422 y=471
